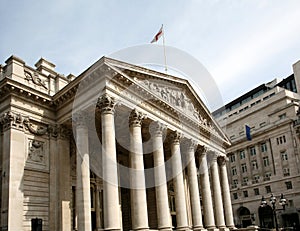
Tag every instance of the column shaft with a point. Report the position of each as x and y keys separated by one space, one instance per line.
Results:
x=194 y=189
x=161 y=189
x=83 y=200
x=139 y=213
x=226 y=196
x=98 y=210
x=206 y=194
x=180 y=200
x=219 y=211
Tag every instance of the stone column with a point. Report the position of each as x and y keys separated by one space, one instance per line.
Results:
x=161 y=189
x=180 y=200
x=226 y=193
x=193 y=185
x=139 y=214
x=219 y=211
x=98 y=210
x=205 y=190
x=13 y=160
x=83 y=190
x=111 y=207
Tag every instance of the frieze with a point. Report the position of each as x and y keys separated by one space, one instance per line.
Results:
x=35 y=79
x=34 y=128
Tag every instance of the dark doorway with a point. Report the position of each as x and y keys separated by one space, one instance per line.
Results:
x=245 y=217
x=93 y=215
x=290 y=220
x=126 y=212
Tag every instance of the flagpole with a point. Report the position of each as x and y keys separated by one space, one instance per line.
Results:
x=163 y=34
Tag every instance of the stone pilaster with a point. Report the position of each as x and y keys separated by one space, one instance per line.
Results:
x=190 y=146
x=205 y=189
x=139 y=214
x=180 y=200
x=83 y=191
x=216 y=187
x=111 y=207
x=226 y=193
x=161 y=190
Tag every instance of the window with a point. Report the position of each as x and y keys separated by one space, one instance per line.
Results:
x=245 y=193
x=266 y=161
x=254 y=164
x=267 y=176
x=233 y=171
x=235 y=183
x=284 y=156
x=263 y=147
x=255 y=179
x=256 y=191
x=282 y=116
x=280 y=140
x=268 y=189
x=232 y=158
x=245 y=181
x=244 y=168
x=288 y=185
x=286 y=171
x=242 y=154
x=252 y=151
x=235 y=196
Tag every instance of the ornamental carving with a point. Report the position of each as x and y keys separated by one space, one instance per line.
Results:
x=35 y=79
x=106 y=104
x=10 y=119
x=59 y=131
x=190 y=144
x=157 y=128
x=36 y=151
x=175 y=137
x=221 y=160
x=136 y=118
x=34 y=128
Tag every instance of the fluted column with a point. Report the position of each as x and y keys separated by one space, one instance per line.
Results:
x=139 y=214
x=226 y=192
x=83 y=199
x=111 y=208
x=193 y=185
x=205 y=190
x=180 y=200
x=161 y=189
x=219 y=211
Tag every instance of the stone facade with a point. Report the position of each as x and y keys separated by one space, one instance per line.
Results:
x=269 y=162
x=119 y=147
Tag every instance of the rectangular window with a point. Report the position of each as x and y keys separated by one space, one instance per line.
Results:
x=286 y=171
x=256 y=191
x=268 y=189
x=233 y=171
x=252 y=151
x=235 y=183
x=266 y=161
x=263 y=147
x=288 y=185
x=282 y=116
x=281 y=140
x=245 y=181
x=242 y=154
x=267 y=176
x=245 y=193
x=254 y=164
x=235 y=196
x=255 y=179
x=244 y=168
x=232 y=158
x=284 y=156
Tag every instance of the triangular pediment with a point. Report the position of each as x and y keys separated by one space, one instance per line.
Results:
x=173 y=91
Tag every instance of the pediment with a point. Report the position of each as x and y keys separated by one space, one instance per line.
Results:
x=174 y=91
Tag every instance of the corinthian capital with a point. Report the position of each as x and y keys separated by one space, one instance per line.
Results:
x=176 y=137
x=136 y=118
x=106 y=104
x=221 y=160
x=80 y=118
x=157 y=128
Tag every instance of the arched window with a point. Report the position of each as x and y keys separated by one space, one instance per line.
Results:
x=244 y=217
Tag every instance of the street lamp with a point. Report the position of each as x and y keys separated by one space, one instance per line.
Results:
x=273 y=200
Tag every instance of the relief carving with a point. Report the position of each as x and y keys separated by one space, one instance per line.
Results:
x=35 y=79
x=36 y=151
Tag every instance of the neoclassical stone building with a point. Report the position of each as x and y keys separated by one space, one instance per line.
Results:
x=120 y=147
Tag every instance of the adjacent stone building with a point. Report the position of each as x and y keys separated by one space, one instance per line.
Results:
x=267 y=161
x=120 y=147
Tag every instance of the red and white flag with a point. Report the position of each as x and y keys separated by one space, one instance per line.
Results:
x=158 y=35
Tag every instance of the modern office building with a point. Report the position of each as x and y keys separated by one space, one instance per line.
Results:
x=263 y=127
x=119 y=147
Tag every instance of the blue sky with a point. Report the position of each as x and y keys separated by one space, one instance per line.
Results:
x=241 y=43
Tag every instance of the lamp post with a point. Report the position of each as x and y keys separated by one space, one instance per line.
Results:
x=273 y=200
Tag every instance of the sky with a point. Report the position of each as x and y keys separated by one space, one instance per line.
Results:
x=242 y=43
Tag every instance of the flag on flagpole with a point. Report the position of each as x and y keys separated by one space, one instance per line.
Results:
x=248 y=132
x=158 y=35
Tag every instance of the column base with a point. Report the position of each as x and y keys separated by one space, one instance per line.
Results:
x=140 y=229
x=112 y=229
x=212 y=229
x=224 y=229
x=183 y=228
x=165 y=229
x=199 y=229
